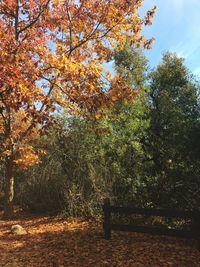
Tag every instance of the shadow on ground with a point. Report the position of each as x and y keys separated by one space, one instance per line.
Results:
x=74 y=243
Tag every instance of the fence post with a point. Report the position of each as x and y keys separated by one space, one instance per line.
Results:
x=106 y=223
x=196 y=227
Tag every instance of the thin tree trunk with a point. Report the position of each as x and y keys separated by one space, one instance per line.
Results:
x=9 y=189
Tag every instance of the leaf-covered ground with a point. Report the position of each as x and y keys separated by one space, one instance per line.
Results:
x=59 y=242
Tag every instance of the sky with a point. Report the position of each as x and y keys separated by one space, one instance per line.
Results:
x=176 y=28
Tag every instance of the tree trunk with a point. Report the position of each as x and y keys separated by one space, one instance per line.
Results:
x=9 y=189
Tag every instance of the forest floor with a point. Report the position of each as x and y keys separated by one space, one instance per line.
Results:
x=80 y=243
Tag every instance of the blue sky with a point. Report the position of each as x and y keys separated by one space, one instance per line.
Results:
x=176 y=28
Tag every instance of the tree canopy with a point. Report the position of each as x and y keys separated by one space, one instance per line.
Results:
x=51 y=55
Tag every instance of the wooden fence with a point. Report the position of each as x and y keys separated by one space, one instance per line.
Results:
x=108 y=226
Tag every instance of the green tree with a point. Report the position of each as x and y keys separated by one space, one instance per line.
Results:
x=132 y=65
x=125 y=126
x=173 y=139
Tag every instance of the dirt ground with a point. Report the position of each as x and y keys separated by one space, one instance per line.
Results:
x=52 y=241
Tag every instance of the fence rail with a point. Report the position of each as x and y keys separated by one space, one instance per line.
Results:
x=108 y=226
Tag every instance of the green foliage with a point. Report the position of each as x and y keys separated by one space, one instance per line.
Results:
x=144 y=152
x=172 y=137
x=121 y=148
x=132 y=65
x=86 y=161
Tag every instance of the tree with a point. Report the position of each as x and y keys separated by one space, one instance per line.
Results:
x=51 y=54
x=132 y=65
x=123 y=127
x=128 y=123
x=172 y=141
x=90 y=158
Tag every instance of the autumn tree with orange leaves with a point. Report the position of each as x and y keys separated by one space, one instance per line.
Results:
x=51 y=54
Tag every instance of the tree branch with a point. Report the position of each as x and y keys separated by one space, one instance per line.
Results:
x=35 y=19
